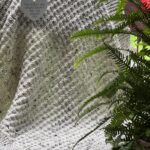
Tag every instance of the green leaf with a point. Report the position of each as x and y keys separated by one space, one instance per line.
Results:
x=92 y=108
x=108 y=91
x=130 y=18
x=85 y=33
x=148 y=133
x=102 y=33
x=129 y=146
x=120 y=6
x=88 y=54
x=147 y=30
x=105 y=73
x=89 y=133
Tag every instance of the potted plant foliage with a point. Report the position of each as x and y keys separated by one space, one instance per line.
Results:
x=129 y=128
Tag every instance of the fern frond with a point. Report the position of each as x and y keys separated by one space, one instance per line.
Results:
x=108 y=91
x=120 y=6
x=144 y=52
x=93 y=108
x=138 y=16
x=119 y=58
x=105 y=73
x=85 y=33
x=143 y=36
x=103 y=33
x=89 y=54
x=98 y=126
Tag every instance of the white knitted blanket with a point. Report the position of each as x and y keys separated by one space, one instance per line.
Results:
x=40 y=92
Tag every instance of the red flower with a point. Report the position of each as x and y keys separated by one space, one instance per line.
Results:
x=145 y=5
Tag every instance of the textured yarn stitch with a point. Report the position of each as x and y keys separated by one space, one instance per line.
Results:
x=40 y=92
